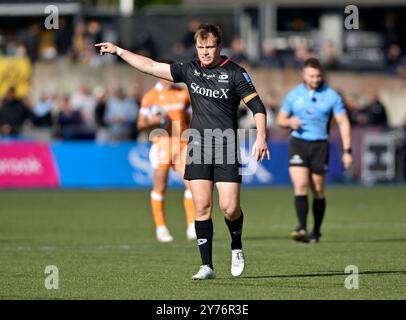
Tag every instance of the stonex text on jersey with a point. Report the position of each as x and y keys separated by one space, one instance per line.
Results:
x=211 y=93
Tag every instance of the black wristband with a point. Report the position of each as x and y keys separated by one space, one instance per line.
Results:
x=348 y=150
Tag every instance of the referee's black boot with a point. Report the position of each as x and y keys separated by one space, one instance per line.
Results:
x=315 y=237
x=300 y=235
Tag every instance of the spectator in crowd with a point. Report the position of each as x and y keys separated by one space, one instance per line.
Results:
x=393 y=57
x=94 y=32
x=300 y=55
x=135 y=96
x=184 y=48
x=93 y=35
x=42 y=111
x=299 y=24
x=295 y=59
x=329 y=55
x=20 y=50
x=69 y=120
x=374 y=112
x=188 y=39
x=353 y=108
x=63 y=37
x=13 y=114
x=120 y=116
x=270 y=57
x=31 y=41
x=391 y=33
x=272 y=108
x=145 y=45
x=78 y=50
x=100 y=112
x=237 y=53
x=85 y=103
x=135 y=92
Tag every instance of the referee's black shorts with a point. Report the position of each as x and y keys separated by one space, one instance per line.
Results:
x=215 y=163
x=310 y=154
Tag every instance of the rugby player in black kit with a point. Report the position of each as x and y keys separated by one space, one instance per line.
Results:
x=216 y=86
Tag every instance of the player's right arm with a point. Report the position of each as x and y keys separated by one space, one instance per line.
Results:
x=144 y=120
x=141 y=63
x=285 y=119
x=288 y=122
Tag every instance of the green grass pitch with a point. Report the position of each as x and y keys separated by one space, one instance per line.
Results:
x=104 y=247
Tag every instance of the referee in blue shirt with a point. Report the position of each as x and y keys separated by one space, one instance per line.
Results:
x=307 y=111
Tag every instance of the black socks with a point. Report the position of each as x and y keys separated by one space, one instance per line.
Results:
x=302 y=208
x=319 y=207
x=235 y=228
x=204 y=233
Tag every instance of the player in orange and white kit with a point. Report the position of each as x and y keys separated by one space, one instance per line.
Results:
x=166 y=107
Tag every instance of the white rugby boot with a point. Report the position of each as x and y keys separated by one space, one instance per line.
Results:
x=204 y=273
x=237 y=262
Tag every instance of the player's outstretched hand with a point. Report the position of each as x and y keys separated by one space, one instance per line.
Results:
x=106 y=47
x=260 y=149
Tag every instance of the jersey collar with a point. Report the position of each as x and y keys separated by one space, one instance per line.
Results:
x=222 y=62
x=319 y=88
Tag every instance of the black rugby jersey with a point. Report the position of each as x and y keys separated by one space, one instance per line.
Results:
x=215 y=92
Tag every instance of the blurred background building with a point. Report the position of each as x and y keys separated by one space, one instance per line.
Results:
x=54 y=86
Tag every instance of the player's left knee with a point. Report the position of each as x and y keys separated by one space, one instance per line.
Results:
x=230 y=210
x=319 y=193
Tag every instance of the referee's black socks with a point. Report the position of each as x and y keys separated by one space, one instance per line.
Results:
x=235 y=228
x=319 y=207
x=302 y=208
x=204 y=233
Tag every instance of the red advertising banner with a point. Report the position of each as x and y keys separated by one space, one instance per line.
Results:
x=27 y=165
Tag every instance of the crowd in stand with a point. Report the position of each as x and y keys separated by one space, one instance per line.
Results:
x=74 y=43
x=84 y=115
x=110 y=115
x=77 y=44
